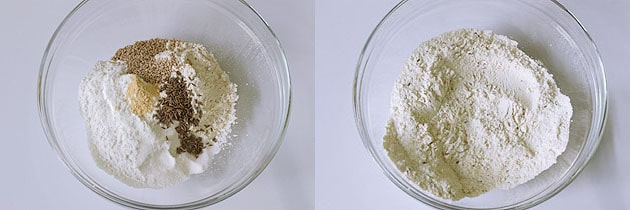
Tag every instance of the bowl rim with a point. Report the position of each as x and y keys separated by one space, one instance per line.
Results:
x=285 y=85
x=599 y=118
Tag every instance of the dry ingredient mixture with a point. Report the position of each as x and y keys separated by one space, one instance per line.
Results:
x=157 y=112
x=471 y=112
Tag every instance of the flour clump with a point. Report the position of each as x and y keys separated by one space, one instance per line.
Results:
x=471 y=112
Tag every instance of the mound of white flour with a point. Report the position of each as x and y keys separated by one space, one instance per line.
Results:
x=471 y=112
x=136 y=149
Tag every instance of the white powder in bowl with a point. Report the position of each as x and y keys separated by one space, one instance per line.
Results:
x=471 y=112
x=132 y=145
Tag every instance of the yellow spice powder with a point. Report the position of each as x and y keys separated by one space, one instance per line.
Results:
x=142 y=96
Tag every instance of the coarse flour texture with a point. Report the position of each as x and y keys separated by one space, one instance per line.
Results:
x=136 y=149
x=471 y=112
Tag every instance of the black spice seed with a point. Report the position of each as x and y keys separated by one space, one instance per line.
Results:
x=177 y=106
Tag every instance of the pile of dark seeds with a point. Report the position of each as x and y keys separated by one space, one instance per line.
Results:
x=177 y=105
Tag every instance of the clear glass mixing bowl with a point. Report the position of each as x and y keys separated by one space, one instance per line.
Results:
x=544 y=29
x=244 y=46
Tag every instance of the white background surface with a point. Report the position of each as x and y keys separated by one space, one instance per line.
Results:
x=33 y=178
x=348 y=178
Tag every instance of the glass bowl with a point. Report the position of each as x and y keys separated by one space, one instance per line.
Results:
x=242 y=43
x=544 y=29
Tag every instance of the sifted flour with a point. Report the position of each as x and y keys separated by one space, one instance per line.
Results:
x=471 y=112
